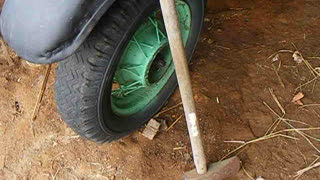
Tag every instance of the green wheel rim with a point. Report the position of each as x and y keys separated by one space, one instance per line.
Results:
x=146 y=64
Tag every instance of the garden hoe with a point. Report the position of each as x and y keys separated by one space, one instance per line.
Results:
x=217 y=171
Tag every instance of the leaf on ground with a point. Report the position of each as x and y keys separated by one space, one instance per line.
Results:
x=297 y=98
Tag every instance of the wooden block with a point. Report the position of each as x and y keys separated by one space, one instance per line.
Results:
x=151 y=129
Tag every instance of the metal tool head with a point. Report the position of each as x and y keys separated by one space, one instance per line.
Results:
x=217 y=171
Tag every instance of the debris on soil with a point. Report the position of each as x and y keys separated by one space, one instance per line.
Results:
x=218 y=100
x=115 y=86
x=260 y=178
x=5 y=53
x=187 y=157
x=179 y=148
x=207 y=19
x=2 y=162
x=297 y=99
x=151 y=129
x=17 y=106
x=258 y=122
x=276 y=58
x=297 y=57
x=163 y=125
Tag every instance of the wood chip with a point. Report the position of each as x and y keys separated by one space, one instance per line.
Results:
x=151 y=129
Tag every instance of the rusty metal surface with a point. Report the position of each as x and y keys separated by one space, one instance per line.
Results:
x=217 y=171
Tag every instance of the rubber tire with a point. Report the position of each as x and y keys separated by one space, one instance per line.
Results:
x=83 y=81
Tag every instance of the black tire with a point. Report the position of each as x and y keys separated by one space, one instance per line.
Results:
x=83 y=81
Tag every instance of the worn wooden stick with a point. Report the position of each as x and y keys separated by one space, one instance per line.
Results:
x=170 y=16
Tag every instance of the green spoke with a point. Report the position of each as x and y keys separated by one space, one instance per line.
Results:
x=139 y=45
x=127 y=89
x=147 y=45
x=158 y=31
x=131 y=68
x=146 y=64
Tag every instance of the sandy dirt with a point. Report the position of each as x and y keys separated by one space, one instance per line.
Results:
x=232 y=76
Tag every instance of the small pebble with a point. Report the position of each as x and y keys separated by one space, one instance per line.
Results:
x=260 y=178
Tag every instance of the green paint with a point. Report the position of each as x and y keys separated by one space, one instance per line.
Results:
x=146 y=64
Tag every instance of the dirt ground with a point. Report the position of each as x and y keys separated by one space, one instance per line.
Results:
x=233 y=73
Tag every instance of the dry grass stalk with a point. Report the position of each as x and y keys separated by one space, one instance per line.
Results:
x=179 y=148
x=276 y=70
x=40 y=97
x=314 y=57
x=313 y=165
x=298 y=122
x=246 y=173
x=309 y=105
x=277 y=101
x=174 y=123
x=299 y=129
x=307 y=83
x=280 y=51
x=313 y=70
x=304 y=135
x=274 y=126
x=169 y=109
x=222 y=47
x=236 y=142
x=270 y=134
x=54 y=176
x=315 y=112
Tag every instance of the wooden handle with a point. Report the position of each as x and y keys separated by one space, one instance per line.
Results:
x=170 y=16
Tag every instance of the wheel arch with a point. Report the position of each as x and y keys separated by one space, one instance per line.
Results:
x=45 y=31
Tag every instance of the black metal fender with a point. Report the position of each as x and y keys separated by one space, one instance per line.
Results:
x=48 y=31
